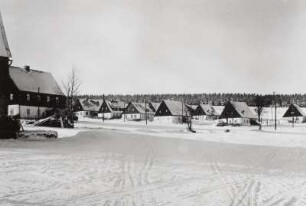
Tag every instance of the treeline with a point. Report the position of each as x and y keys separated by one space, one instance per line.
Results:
x=217 y=99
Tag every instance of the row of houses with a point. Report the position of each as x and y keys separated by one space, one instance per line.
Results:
x=174 y=111
x=237 y=113
x=166 y=111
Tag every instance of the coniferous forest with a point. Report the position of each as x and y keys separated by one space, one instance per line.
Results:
x=216 y=99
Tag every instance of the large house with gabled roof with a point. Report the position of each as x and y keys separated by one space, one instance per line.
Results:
x=33 y=93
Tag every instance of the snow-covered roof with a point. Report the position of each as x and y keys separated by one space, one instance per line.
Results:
x=115 y=104
x=241 y=108
x=175 y=107
x=141 y=107
x=34 y=81
x=295 y=110
x=91 y=104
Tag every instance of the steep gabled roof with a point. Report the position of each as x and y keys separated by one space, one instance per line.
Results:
x=33 y=80
x=241 y=108
x=4 y=47
x=176 y=107
x=295 y=110
x=92 y=105
x=115 y=105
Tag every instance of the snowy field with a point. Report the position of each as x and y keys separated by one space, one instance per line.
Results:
x=116 y=163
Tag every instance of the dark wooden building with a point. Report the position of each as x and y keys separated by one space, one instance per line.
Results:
x=33 y=93
x=296 y=113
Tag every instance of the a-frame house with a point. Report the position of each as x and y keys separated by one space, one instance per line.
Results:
x=296 y=113
x=205 y=112
x=170 y=111
x=112 y=109
x=238 y=113
x=138 y=112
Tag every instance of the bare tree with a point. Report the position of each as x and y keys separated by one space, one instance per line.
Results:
x=259 y=102
x=71 y=88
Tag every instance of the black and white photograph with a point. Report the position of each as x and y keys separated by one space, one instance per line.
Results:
x=152 y=102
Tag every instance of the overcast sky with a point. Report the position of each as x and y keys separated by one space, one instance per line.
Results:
x=163 y=46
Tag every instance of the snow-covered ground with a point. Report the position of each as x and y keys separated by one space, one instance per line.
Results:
x=129 y=163
x=284 y=136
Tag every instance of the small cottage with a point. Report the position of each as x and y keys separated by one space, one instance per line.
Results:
x=205 y=112
x=295 y=113
x=170 y=111
x=238 y=113
x=138 y=112
x=112 y=109
x=86 y=107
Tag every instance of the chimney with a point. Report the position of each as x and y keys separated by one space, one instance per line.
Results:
x=27 y=68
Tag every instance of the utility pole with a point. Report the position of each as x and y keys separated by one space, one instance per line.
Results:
x=146 y=111
x=182 y=110
x=124 y=112
x=275 y=106
x=103 y=109
x=38 y=102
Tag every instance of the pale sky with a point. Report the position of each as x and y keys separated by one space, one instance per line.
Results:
x=163 y=46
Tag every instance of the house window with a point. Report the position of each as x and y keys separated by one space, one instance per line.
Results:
x=11 y=97
x=28 y=97
x=48 y=99
x=38 y=98
x=57 y=100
